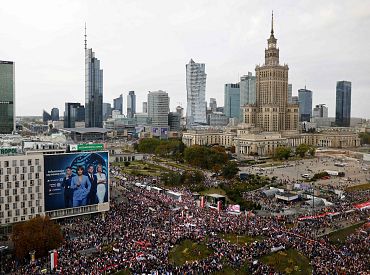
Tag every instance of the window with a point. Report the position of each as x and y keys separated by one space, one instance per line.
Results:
x=14 y=162
x=15 y=206
x=37 y=189
x=14 y=177
x=6 y=206
x=32 y=210
x=15 y=219
x=39 y=168
x=16 y=184
x=1 y=199
x=24 y=211
x=29 y=162
x=37 y=161
x=9 y=199
x=22 y=176
x=29 y=190
x=15 y=191
x=1 y=185
x=32 y=196
x=17 y=198
x=37 y=175
x=25 y=197
x=1 y=171
x=22 y=190
x=24 y=169
x=21 y=162
x=29 y=203
x=23 y=204
x=29 y=176
x=6 y=163
x=37 y=203
x=23 y=218
x=32 y=169
x=39 y=195
x=31 y=182
x=7 y=192
x=9 y=213
x=8 y=185
x=6 y=178
x=8 y=171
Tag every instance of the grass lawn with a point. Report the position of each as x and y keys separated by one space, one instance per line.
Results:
x=213 y=190
x=338 y=237
x=360 y=187
x=188 y=251
x=289 y=262
x=241 y=239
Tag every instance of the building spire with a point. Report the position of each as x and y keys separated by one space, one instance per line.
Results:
x=272 y=23
x=85 y=37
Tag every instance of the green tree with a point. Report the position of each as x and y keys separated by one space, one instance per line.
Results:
x=312 y=151
x=282 y=152
x=148 y=145
x=230 y=170
x=302 y=149
x=365 y=138
x=40 y=234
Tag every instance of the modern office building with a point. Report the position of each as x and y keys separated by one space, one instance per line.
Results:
x=73 y=112
x=305 y=104
x=290 y=93
x=196 y=93
x=320 y=111
x=45 y=117
x=174 y=119
x=213 y=104
x=93 y=89
x=247 y=89
x=118 y=104
x=217 y=119
x=180 y=110
x=7 y=97
x=343 y=104
x=131 y=104
x=158 y=108
x=55 y=114
x=107 y=111
x=272 y=112
x=145 y=107
x=232 y=100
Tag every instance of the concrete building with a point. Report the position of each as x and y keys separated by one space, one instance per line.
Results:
x=247 y=89
x=320 y=111
x=118 y=104
x=145 y=107
x=232 y=100
x=131 y=104
x=196 y=93
x=213 y=104
x=174 y=119
x=54 y=114
x=305 y=104
x=93 y=90
x=217 y=119
x=343 y=104
x=7 y=97
x=272 y=112
x=290 y=93
x=158 y=108
x=107 y=111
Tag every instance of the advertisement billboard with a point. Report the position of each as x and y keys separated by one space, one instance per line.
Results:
x=76 y=179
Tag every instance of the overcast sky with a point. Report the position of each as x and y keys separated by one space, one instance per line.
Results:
x=144 y=46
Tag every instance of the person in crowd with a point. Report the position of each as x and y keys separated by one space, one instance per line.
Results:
x=81 y=188
x=101 y=180
x=68 y=191
x=91 y=199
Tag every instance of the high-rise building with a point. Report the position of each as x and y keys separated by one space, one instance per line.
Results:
x=232 y=100
x=272 y=112
x=118 y=104
x=45 y=117
x=7 y=97
x=174 y=119
x=131 y=104
x=180 y=111
x=72 y=113
x=93 y=89
x=196 y=93
x=320 y=111
x=145 y=107
x=305 y=104
x=213 y=104
x=343 y=104
x=54 y=114
x=247 y=89
x=158 y=108
x=107 y=111
x=290 y=93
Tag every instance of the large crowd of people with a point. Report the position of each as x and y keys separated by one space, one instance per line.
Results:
x=142 y=226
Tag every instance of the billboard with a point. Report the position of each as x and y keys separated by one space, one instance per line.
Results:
x=76 y=179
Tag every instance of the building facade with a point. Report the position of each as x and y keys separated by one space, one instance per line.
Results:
x=247 y=89
x=107 y=111
x=7 y=97
x=305 y=104
x=213 y=104
x=320 y=111
x=272 y=112
x=131 y=104
x=174 y=120
x=343 y=104
x=73 y=112
x=232 y=100
x=196 y=93
x=145 y=107
x=55 y=114
x=93 y=90
x=158 y=108
x=118 y=104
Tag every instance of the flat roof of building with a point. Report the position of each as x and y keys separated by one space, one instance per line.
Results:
x=87 y=130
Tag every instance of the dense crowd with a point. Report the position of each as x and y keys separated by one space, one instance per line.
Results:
x=142 y=226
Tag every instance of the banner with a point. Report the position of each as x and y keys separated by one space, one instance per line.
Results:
x=202 y=201
x=233 y=208
x=53 y=259
x=364 y=205
x=219 y=206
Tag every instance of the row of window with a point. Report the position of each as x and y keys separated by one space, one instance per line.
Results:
x=17 y=198
x=23 y=218
x=16 y=184
x=14 y=162
x=17 y=170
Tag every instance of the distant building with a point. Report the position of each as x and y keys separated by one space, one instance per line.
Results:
x=45 y=117
x=217 y=119
x=145 y=107
x=305 y=104
x=55 y=114
x=131 y=104
x=107 y=111
x=290 y=93
x=73 y=112
x=343 y=104
x=247 y=89
x=320 y=111
x=213 y=104
x=180 y=111
x=7 y=98
x=232 y=100
x=174 y=119
x=158 y=108
x=142 y=119
x=118 y=104
x=295 y=99
x=196 y=93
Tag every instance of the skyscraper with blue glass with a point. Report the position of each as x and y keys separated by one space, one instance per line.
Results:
x=343 y=104
x=305 y=104
x=232 y=100
x=93 y=90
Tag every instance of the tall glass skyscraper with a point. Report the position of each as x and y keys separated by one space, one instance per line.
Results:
x=247 y=89
x=131 y=104
x=7 y=90
x=93 y=90
x=305 y=104
x=232 y=100
x=343 y=104
x=118 y=104
x=196 y=93
x=158 y=108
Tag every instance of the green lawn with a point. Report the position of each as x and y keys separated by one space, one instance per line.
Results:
x=188 y=251
x=360 y=187
x=289 y=262
x=338 y=237
x=213 y=190
x=241 y=239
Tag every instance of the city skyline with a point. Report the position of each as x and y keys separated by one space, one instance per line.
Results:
x=320 y=45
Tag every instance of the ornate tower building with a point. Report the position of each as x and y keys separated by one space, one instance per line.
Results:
x=272 y=112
